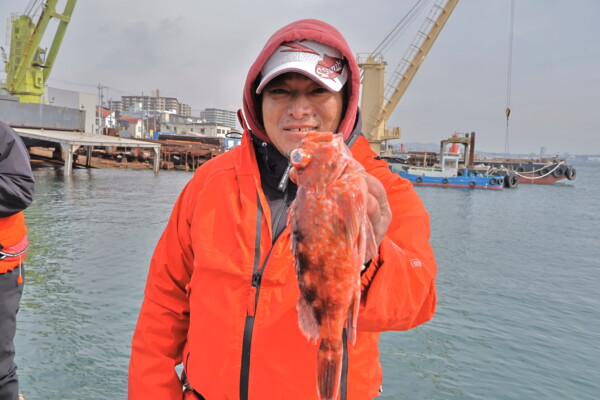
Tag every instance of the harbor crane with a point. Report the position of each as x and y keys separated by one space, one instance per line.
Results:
x=28 y=66
x=379 y=101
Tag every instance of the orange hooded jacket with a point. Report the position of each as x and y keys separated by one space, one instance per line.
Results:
x=221 y=296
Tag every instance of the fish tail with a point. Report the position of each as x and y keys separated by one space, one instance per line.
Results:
x=329 y=368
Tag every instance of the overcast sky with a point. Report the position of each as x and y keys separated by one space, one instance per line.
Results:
x=200 y=52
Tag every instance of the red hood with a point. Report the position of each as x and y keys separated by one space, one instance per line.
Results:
x=310 y=29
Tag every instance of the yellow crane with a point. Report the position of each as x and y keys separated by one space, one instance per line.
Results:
x=377 y=104
x=28 y=66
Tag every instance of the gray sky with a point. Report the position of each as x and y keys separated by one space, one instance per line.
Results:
x=200 y=52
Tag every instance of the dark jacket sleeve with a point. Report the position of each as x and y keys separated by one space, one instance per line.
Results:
x=16 y=179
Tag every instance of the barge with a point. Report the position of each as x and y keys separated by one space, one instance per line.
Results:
x=540 y=171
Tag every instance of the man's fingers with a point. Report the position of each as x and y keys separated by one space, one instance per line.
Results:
x=378 y=207
x=377 y=190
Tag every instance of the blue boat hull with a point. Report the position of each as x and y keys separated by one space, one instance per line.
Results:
x=467 y=182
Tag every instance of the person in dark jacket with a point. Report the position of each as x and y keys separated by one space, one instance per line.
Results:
x=16 y=194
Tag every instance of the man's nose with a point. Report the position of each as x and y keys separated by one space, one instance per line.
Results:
x=300 y=106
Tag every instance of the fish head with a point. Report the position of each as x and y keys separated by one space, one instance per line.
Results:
x=320 y=157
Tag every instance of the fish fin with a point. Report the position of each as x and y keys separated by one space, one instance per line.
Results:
x=306 y=320
x=349 y=213
x=329 y=369
x=352 y=321
x=292 y=209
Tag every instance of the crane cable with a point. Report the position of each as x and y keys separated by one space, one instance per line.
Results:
x=400 y=26
x=395 y=33
x=509 y=78
x=33 y=8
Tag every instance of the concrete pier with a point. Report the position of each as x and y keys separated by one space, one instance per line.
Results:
x=70 y=141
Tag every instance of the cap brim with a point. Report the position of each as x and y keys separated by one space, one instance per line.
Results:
x=333 y=85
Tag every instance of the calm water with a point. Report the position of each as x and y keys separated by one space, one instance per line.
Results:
x=518 y=314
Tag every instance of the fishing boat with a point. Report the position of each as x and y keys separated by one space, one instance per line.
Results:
x=448 y=176
x=447 y=172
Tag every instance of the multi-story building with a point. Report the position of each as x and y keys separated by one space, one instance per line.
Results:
x=150 y=104
x=155 y=103
x=191 y=126
x=115 y=105
x=185 y=110
x=220 y=117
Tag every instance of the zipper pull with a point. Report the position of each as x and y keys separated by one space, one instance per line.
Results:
x=251 y=302
x=255 y=279
x=285 y=178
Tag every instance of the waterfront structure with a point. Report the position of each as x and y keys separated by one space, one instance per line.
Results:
x=71 y=141
x=74 y=100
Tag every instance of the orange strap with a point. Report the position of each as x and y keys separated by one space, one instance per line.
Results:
x=12 y=230
x=12 y=257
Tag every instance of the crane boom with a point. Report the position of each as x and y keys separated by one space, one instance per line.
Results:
x=378 y=106
x=28 y=66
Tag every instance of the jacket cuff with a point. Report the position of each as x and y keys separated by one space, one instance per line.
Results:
x=367 y=274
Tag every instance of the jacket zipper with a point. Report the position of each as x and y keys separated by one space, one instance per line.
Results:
x=251 y=307
x=278 y=217
x=344 y=378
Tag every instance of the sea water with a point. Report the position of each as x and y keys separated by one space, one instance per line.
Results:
x=518 y=313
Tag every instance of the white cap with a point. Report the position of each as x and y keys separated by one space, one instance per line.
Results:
x=318 y=61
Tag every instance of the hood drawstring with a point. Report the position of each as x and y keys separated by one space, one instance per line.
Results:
x=264 y=145
x=285 y=179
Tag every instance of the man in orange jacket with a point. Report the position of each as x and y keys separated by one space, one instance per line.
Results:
x=16 y=193
x=222 y=290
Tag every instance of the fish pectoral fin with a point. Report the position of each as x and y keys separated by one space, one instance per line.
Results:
x=352 y=320
x=349 y=214
x=307 y=321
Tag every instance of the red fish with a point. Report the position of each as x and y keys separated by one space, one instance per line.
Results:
x=331 y=237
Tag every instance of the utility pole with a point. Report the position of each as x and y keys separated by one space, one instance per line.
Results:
x=100 y=108
x=98 y=112
x=143 y=133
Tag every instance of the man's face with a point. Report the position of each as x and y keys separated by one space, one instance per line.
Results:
x=293 y=104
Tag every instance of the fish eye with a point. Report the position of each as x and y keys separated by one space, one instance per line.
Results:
x=299 y=158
